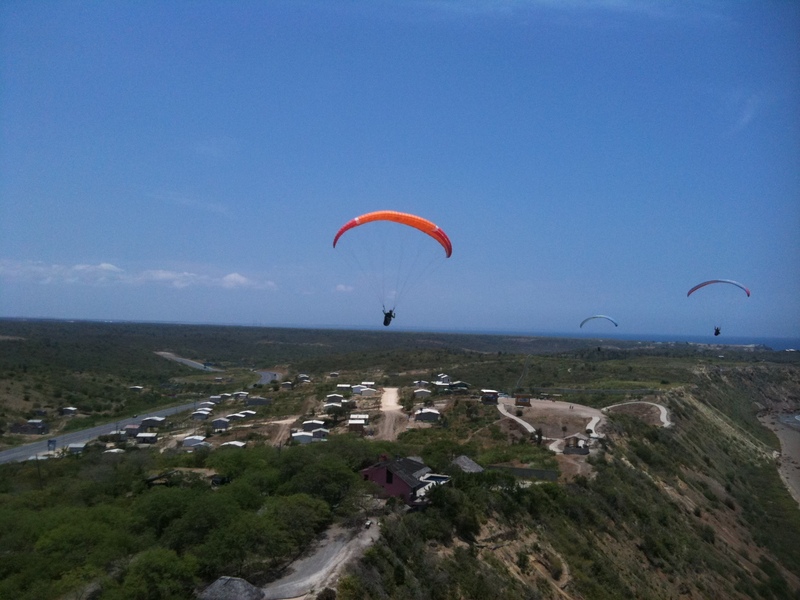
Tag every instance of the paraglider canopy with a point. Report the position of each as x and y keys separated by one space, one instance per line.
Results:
x=705 y=283
x=414 y=221
x=393 y=251
x=600 y=317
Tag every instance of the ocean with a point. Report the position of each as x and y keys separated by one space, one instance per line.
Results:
x=775 y=343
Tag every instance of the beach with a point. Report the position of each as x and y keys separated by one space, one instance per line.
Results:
x=789 y=465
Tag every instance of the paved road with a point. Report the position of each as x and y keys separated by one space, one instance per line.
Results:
x=27 y=451
x=663 y=412
x=189 y=362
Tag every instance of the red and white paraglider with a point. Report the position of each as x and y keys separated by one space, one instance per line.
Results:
x=393 y=251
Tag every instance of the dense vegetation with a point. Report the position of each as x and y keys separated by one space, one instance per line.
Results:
x=695 y=511
x=96 y=520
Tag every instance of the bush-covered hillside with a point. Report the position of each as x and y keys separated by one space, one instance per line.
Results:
x=695 y=510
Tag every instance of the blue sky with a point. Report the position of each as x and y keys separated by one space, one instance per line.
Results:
x=192 y=161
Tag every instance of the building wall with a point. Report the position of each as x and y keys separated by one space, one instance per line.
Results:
x=394 y=487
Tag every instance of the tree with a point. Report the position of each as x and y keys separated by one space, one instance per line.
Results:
x=158 y=574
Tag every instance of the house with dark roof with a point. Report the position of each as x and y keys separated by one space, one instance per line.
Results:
x=466 y=464
x=407 y=478
x=31 y=427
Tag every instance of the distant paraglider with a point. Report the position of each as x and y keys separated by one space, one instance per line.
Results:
x=717 y=330
x=600 y=317
x=705 y=283
x=392 y=259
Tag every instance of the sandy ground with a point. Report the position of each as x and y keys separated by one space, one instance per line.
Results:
x=283 y=434
x=789 y=467
x=551 y=417
x=393 y=421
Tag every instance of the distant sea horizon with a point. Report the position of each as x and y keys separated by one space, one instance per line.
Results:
x=775 y=343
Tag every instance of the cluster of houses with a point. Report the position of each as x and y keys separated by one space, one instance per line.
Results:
x=205 y=409
x=342 y=401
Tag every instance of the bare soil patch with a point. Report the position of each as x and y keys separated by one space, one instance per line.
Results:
x=644 y=412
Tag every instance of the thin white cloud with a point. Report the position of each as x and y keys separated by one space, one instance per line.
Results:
x=341 y=287
x=109 y=274
x=217 y=148
x=748 y=109
x=191 y=203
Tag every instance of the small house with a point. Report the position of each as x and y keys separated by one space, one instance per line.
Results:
x=368 y=392
x=69 y=411
x=233 y=444
x=152 y=422
x=31 y=427
x=146 y=438
x=466 y=464
x=192 y=440
x=356 y=425
x=287 y=385
x=421 y=393
x=313 y=424
x=406 y=478
x=302 y=437
x=76 y=448
x=200 y=415
x=334 y=398
x=331 y=407
x=131 y=430
x=522 y=400
x=429 y=415
x=490 y=396
x=220 y=424
x=320 y=433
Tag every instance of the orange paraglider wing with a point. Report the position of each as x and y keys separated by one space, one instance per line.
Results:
x=414 y=221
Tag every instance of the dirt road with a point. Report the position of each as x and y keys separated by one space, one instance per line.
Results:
x=311 y=573
x=393 y=419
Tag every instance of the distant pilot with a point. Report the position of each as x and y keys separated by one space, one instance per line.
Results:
x=387 y=317
x=716 y=330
